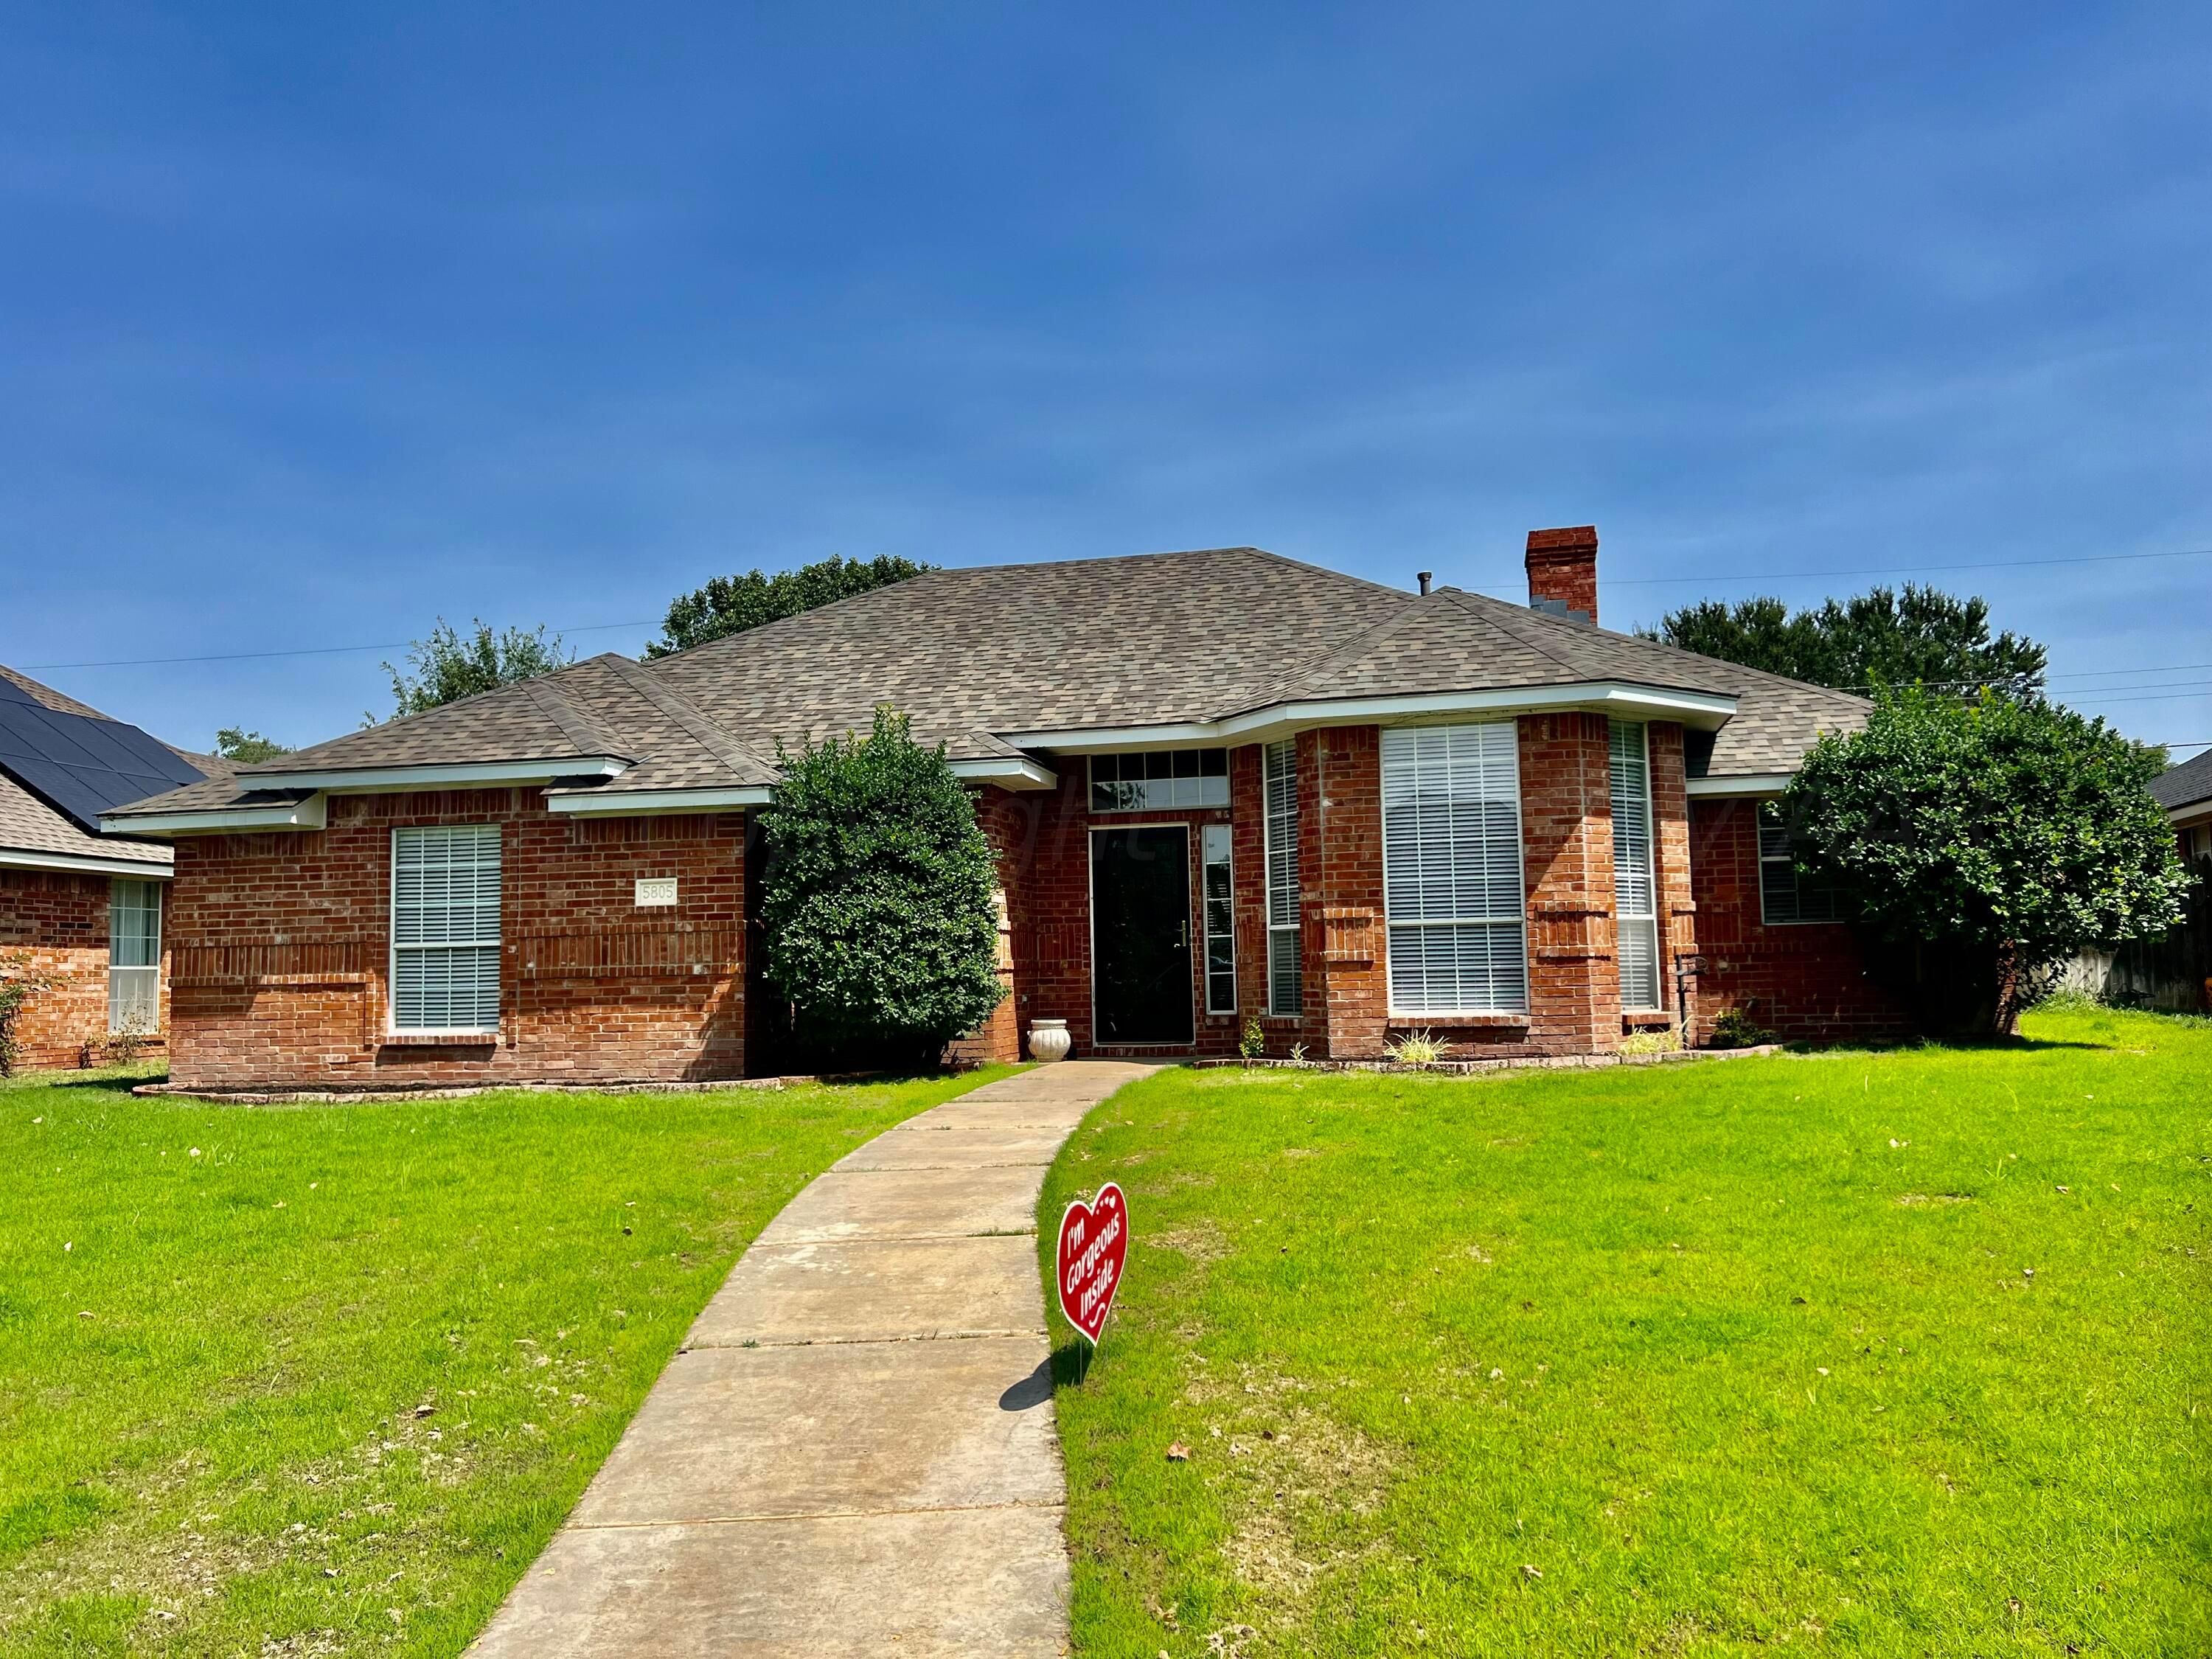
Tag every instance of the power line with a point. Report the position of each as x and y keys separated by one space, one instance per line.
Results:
x=302 y=651
x=1609 y=581
x=2154 y=697
x=1899 y=569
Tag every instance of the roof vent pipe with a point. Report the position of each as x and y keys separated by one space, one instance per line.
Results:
x=1422 y=577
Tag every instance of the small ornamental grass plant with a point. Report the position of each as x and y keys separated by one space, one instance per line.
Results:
x=1416 y=1049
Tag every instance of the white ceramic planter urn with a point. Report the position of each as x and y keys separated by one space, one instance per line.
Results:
x=1048 y=1040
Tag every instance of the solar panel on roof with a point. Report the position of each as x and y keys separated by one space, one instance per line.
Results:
x=83 y=767
x=11 y=692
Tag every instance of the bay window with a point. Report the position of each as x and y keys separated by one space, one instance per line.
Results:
x=1453 y=895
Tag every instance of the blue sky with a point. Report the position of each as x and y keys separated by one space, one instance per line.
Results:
x=317 y=322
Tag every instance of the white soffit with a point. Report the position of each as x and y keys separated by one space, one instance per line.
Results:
x=308 y=814
x=72 y=863
x=1703 y=709
x=1751 y=784
x=645 y=803
x=461 y=775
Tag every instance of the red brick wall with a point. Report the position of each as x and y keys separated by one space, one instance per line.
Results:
x=1566 y=842
x=279 y=945
x=1347 y=976
x=1804 y=981
x=1677 y=882
x=59 y=924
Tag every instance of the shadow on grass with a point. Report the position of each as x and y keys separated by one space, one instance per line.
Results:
x=122 y=1084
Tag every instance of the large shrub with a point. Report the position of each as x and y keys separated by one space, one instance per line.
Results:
x=876 y=898
x=1987 y=843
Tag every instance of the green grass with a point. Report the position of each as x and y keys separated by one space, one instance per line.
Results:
x=1734 y=1355
x=324 y=1379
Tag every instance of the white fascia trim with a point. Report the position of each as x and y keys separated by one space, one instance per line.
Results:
x=1750 y=784
x=449 y=775
x=1008 y=772
x=1699 y=709
x=641 y=803
x=309 y=814
x=77 y=864
x=2190 y=814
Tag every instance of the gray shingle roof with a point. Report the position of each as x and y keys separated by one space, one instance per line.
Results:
x=975 y=654
x=2189 y=784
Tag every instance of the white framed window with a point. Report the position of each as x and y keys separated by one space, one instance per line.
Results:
x=445 y=928
x=1285 y=972
x=1635 y=896
x=1453 y=897
x=1159 y=780
x=134 y=956
x=1220 y=919
x=1786 y=896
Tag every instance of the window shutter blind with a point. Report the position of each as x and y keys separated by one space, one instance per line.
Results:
x=1451 y=868
x=1635 y=907
x=1285 y=972
x=445 y=928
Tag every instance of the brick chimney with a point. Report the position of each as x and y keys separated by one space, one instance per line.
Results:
x=1562 y=572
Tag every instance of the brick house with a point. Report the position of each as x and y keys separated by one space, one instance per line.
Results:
x=2185 y=792
x=75 y=902
x=1223 y=785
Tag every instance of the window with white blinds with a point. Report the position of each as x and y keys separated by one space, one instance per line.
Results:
x=134 y=957
x=1286 y=974
x=1635 y=899
x=445 y=928
x=1451 y=869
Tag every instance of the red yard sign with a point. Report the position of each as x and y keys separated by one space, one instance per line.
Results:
x=1094 y=1242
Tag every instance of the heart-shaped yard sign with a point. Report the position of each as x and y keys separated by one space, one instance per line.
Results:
x=1094 y=1242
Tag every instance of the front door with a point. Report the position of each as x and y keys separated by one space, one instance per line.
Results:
x=1140 y=934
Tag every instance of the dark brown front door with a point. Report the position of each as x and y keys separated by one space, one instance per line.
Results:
x=1141 y=935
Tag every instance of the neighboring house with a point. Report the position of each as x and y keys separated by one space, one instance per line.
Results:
x=1223 y=785
x=2185 y=792
x=2174 y=969
x=74 y=902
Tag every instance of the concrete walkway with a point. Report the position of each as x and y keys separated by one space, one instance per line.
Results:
x=854 y=1452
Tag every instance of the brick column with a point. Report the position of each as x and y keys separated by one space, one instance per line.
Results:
x=1566 y=840
x=1350 y=997
x=1670 y=825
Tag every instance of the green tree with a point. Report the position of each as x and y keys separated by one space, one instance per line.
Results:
x=1922 y=636
x=730 y=604
x=876 y=898
x=248 y=748
x=447 y=666
x=1984 y=844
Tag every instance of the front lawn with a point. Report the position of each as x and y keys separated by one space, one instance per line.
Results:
x=1898 y=1353
x=323 y=1379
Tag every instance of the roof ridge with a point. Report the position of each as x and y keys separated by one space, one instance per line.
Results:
x=711 y=734
x=1765 y=674
x=578 y=726
x=1467 y=602
x=1278 y=691
x=53 y=701
x=955 y=570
